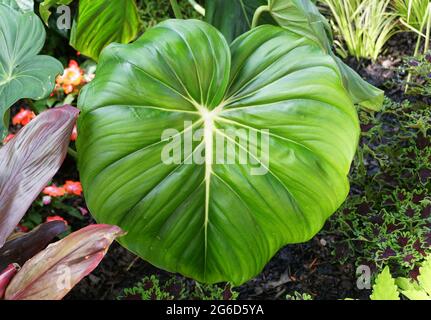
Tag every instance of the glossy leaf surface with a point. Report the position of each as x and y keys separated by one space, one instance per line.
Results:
x=101 y=22
x=303 y=17
x=200 y=216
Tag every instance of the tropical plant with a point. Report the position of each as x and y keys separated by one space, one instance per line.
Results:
x=210 y=221
x=363 y=26
x=303 y=18
x=28 y=162
x=196 y=215
x=101 y=22
x=23 y=73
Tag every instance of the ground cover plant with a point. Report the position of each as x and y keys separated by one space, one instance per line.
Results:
x=275 y=149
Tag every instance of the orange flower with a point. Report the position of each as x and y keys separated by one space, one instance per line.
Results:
x=72 y=77
x=54 y=191
x=72 y=187
x=74 y=135
x=56 y=218
x=8 y=138
x=23 y=117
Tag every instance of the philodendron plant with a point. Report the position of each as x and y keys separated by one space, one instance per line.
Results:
x=211 y=149
x=198 y=215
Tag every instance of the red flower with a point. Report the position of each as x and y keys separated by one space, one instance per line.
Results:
x=54 y=191
x=8 y=138
x=74 y=135
x=23 y=117
x=56 y=218
x=73 y=187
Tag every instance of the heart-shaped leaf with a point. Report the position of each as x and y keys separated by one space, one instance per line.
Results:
x=181 y=90
x=23 y=73
x=29 y=161
x=101 y=22
x=52 y=273
x=20 y=249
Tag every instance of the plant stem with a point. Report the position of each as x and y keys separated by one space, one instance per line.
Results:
x=257 y=15
x=176 y=8
x=199 y=9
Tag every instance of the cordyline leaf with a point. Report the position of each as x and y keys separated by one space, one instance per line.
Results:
x=29 y=161
x=384 y=287
x=52 y=273
x=101 y=22
x=212 y=220
x=23 y=73
x=19 y=250
x=6 y=276
x=45 y=6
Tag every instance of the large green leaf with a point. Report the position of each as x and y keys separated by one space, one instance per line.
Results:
x=23 y=73
x=19 y=5
x=203 y=218
x=232 y=17
x=303 y=17
x=101 y=22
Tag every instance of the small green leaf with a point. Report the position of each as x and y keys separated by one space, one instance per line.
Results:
x=384 y=287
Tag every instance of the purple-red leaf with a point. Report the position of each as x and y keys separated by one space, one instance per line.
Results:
x=29 y=161
x=6 y=276
x=20 y=249
x=52 y=273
